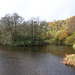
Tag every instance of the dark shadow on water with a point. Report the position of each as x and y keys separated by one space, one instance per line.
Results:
x=58 y=50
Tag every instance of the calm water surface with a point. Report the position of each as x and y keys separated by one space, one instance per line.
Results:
x=46 y=60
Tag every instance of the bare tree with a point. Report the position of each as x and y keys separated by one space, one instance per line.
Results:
x=11 y=23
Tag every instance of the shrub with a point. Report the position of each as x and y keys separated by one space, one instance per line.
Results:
x=59 y=37
x=27 y=40
x=70 y=40
x=74 y=46
x=6 y=40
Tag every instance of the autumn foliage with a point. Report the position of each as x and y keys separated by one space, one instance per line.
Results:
x=71 y=25
x=14 y=30
x=63 y=31
x=63 y=35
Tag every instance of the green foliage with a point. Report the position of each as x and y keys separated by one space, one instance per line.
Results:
x=53 y=40
x=74 y=46
x=56 y=38
x=20 y=40
x=70 y=40
x=27 y=40
x=57 y=34
x=5 y=39
x=15 y=31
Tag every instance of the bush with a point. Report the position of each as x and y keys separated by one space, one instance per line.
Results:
x=57 y=39
x=70 y=40
x=53 y=40
x=27 y=40
x=74 y=46
x=6 y=40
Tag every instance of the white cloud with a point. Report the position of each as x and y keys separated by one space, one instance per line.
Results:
x=45 y=9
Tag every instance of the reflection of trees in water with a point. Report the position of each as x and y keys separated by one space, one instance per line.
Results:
x=59 y=50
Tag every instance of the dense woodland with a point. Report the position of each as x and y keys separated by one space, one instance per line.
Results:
x=15 y=31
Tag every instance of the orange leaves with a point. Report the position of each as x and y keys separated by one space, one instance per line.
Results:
x=51 y=24
x=62 y=35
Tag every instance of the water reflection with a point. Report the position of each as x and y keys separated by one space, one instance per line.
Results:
x=44 y=60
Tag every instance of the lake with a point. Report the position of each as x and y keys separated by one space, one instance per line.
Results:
x=44 y=60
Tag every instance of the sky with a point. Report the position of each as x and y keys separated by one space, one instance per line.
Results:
x=48 y=10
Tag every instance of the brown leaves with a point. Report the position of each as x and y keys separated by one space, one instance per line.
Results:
x=71 y=25
x=63 y=35
x=69 y=59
